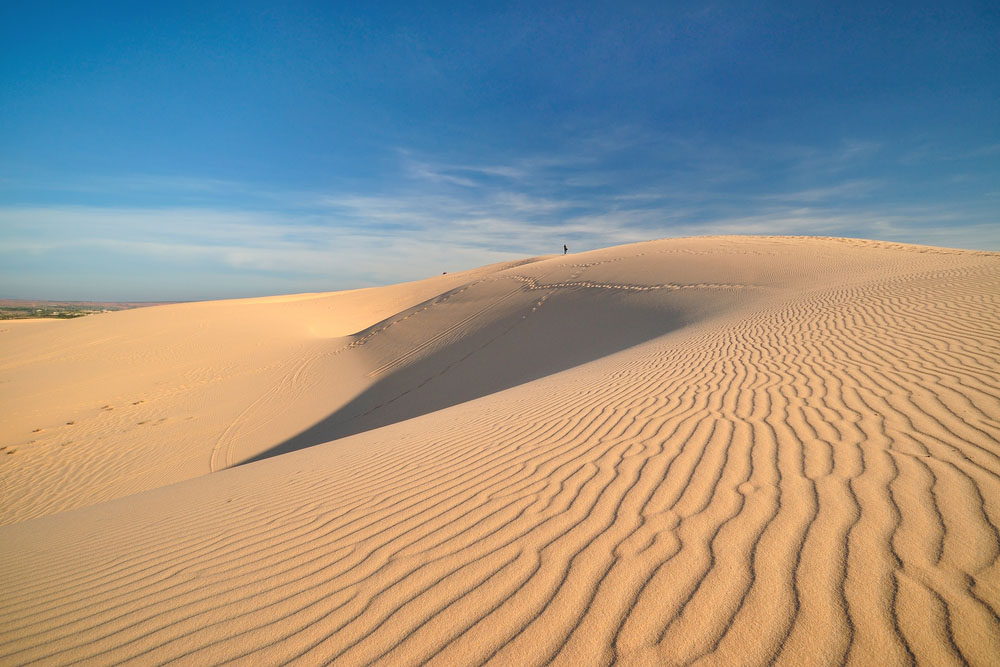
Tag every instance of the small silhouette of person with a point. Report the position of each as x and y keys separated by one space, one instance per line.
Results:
x=565 y=249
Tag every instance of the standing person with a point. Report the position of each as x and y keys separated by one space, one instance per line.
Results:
x=565 y=249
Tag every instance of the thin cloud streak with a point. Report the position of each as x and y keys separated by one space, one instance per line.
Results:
x=446 y=216
x=364 y=241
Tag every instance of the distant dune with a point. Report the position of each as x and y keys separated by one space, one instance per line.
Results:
x=723 y=450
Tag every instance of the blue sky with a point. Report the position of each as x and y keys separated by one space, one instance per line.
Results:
x=164 y=151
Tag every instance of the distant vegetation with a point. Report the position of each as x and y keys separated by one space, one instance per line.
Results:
x=15 y=309
x=25 y=312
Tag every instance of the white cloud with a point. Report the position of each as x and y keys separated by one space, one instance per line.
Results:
x=849 y=189
x=444 y=216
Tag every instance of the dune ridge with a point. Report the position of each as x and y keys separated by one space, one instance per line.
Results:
x=794 y=459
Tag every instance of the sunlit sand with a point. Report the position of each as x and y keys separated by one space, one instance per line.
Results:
x=732 y=450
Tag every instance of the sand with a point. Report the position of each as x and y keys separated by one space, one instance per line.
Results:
x=720 y=450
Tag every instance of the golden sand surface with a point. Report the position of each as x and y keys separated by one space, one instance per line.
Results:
x=715 y=450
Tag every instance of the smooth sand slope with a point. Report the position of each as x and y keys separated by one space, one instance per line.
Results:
x=731 y=450
x=105 y=406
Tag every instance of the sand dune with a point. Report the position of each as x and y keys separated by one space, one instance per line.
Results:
x=106 y=406
x=735 y=450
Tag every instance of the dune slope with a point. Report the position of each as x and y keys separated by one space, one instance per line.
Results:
x=109 y=405
x=720 y=450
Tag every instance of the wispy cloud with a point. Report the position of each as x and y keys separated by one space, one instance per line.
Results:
x=839 y=192
x=445 y=216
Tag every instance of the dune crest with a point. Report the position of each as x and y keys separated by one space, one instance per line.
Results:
x=734 y=450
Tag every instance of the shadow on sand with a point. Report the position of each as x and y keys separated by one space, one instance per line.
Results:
x=575 y=326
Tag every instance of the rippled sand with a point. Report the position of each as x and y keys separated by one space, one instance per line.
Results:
x=731 y=450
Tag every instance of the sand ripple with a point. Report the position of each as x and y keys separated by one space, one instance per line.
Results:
x=807 y=478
